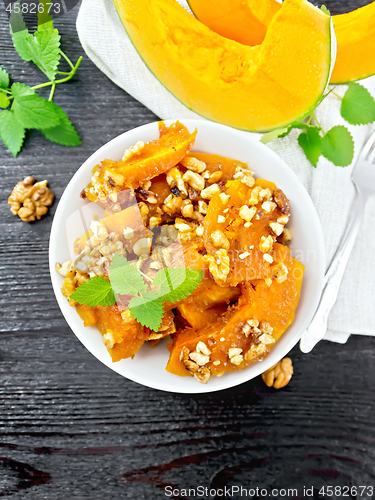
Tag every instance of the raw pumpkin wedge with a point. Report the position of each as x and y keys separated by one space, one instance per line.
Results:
x=252 y=88
x=230 y=344
x=355 y=33
x=244 y=21
x=247 y=21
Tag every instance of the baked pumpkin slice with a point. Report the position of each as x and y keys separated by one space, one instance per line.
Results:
x=248 y=331
x=251 y=88
x=240 y=229
x=141 y=163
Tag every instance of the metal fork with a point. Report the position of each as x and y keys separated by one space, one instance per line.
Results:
x=363 y=177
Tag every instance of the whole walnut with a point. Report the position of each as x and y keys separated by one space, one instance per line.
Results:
x=279 y=375
x=30 y=200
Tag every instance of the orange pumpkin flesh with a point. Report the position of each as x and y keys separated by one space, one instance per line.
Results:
x=128 y=337
x=275 y=305
x=251 y=88
x=116 y=223
x=247 y=22
x=242 y=239
x=355 y=34
x=243 y=21
x=154 y=159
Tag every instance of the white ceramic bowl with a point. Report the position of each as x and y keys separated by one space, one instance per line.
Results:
x=148 y=366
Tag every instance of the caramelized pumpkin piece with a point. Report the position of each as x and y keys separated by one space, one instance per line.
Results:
x=248 y=330
x=155 y=158
x=216 y=163
x=238 y=233
x=207 y=303
x=116 y=223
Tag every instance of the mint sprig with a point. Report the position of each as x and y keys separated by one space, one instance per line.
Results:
x=147 y=307
x=125 y=278
x=95 y=292
x=358 y=105
x=337 y=145
x=27 y=109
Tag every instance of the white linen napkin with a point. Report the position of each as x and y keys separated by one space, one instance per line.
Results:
x=108 y=46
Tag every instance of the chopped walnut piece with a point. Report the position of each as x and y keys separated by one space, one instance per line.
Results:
x=193 y=164
x=282 y=201
x=279 y=272
x=266 y=339
x=219 y=239
x=247 y=213
x=266 y=243
x=202 y=348
x=254 y=196
x=194 y=180
x=199 y=358
x=268 y=206
x=174 y=179
x=268 y=258
x=276 y=228
x=108 y=339
x=215 y=177
x=285 y=236
x=30 y=200
x=279 y=375
x=210 y=191
x=133 y=150
x=219 y=264
x=203 y=375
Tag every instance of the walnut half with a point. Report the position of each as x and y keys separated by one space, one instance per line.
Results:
x=279 y=375
x=30 y=200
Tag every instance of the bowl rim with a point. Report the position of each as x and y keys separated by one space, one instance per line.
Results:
x=263 y=365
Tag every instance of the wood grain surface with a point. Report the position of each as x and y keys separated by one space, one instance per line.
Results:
x=70 y=427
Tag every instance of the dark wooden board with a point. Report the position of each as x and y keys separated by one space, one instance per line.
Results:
x=71 y=427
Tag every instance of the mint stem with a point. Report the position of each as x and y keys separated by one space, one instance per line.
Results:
x=67 y=59
x=52 y=92
x=63 y=80
x=5 y=91
x=315 y=118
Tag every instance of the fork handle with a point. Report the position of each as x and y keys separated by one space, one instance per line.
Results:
x=332 y=281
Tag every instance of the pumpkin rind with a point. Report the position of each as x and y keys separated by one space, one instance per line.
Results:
x=252 y=88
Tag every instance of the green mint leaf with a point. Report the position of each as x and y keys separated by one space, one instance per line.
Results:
x=338 y=146
x=19 y=89
x=4 y=100
x=95 y=292
x=125 y=278
x=34 y=112
x=358 y=105
x=45 y=20
x=176 y=283
x=283 y=132
x=45 y=51
x=311 y=143
x=324 y=9
x=273 y=134
x=64 y=133
x=11 y=132
x=148 y=310
x=4 y=79
x=20 y=34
